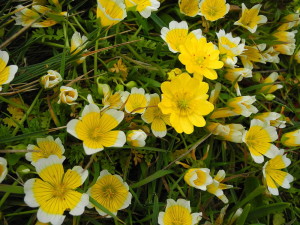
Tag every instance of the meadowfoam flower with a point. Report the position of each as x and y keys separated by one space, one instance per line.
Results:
x=44 y=148
x=177 y=34
x=291 y=139
x=273 y=176
x=228 y=132
x=200 y=57
x=213 y=10
x=189 y=7
x=51 y=79
x=136 y=138
x=94 y=128
x=7 y=73
x=217 y=187
x=229 y=48
x=198 y=178
x=55 y=192
x=154 y=115
x=185 y=99
x=253 y=54
x=110 y=12
x=178 y=212
x=258 y=139
x=111 y=192
x=236 y=106
x=288 y=38
x=144 y=7
x=136 y=101
x=268 y=89
x=78 y=43
x=236 y=75
x=3 y=169
x=270 y=55
x=273 y=118
x=67 y=95
x=110 y=100
x=250 y=18
x=289 y=21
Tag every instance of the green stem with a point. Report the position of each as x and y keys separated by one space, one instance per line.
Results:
x=5 y=196
x=79 y=25
x=13 y=103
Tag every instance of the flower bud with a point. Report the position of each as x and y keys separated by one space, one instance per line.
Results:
x=131 y=84
x=23 y=170
x=119 y=87
x=270 y=97
x=67 y=95
x=136 y=138
x=51 y=79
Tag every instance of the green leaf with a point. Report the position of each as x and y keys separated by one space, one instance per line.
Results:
x=242 y=218
x=151 y=178
x=11 y=189
x=267 y=210
x=259 y=190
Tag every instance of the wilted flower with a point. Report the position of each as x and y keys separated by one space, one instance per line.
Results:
x=198 y=178
x=136 y=138
x=273 y=118
x=3 y=169
x=291 y=139
x=7 y=73
x=268 y=89
x=189 y=7
x=136 y=101
x=67 y=95
x=213 y=10
x=110 y=100
x=253 y=54
x=270 y=55
x=51 y=79
x=228 y=132
x=288 y=38
x=289 y=21
x=110 y=12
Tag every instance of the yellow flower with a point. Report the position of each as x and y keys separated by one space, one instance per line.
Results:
x=200 y=57
x=120 y=68
x=110 y=100
x=288 y=38
x=7 y=73
x=185 y=99
x=291 y=139
x=189 y=7
x=229 y=132
x=213 y=10
x=178 y=212
x=154 y=115
x=268 y=89
x=136 y=101
x=111 y=192
x=214 y=94
x=55 y=191
x=250 y=18
x=258 y=139
x=144 y=7
x=198 y=178
x=110 y=12
x=216 y=188
x=252 y=54
x=173 y=73
x=16 y=113
x=237 y=74
x=289 y=21
x=78 y=43
x=136 y=138
x=273 y=176
x=51 y=79
x=229 y=48
x=3 y=169
x=177 y=34
x=67 y=95
x=275 y=119
x=94 y=128
x=45 y=147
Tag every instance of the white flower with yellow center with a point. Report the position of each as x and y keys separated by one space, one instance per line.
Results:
x=250 y=18
x=275 y=119
x=7 y=73
x=111 y=12
x=94 y=128
x=178 y=212
x=111 y=192
x=288 y=38
x=78 y=44
x=67 y=95
x=228 y=132
x=198 y=178
x=45 y=147
x=268 y=89
x=55 y=192
x=291 y=139
x=51 y=79
x=189 y=7
x=258 y=139
x=136 y=101
x=144 y=7
x=253 y=54
x=110 y=100
x=289 y=21
x=273 y=176
x=136 y=138
x=3 y=168
x=213 y=10
x=270 y=55
x=229 y=48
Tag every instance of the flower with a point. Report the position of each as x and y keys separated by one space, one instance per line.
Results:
x=111 y=192
x=55 y=191
x=94 y=128
x=237 y=74
x=173 y=73
x=136 y=138
x=228 y=132
x=110 y=100
x=289 y=21
x=144 y=7
x=198 y=178
x=236 y=106
x=177 y=34
x=136 y=101
x=3 y=169
x=178 y=212
x=67 y=95
x=291 y=139
x=288 y=42
x=213 y=10
x=78 y=43
x=154 y=115
x=268 y=89
x=216 y=188
x=120 y=68
x=273 y=176
x=7 y=73
x=250 y=18
x=275 y=119
x=185 y=99
x=189 y=7
x=110 y=12
x=229 y=48
x=258 y=139
x=200 y=57
x=270 y=55
x=253 y=54
x=51 y=79
x=45 y=147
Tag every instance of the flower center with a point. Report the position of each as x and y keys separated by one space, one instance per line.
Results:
x=109 y=192
x=1 y=169
x=96 y=132
x=182 y=104
x=59 y=191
